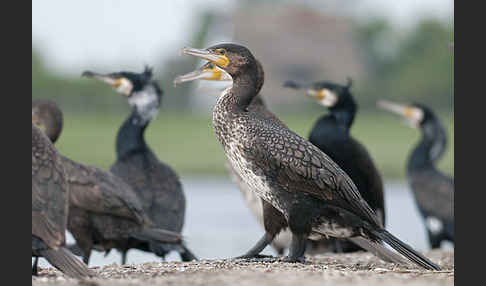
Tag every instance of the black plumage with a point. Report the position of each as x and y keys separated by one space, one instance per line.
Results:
x=155 y=183
x=104 y=211
x=316 y=197
x=50 y=209
x=433 y=191
x=331 y=134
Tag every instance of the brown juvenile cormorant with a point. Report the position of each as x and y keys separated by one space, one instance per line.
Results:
x=104 y=211
x=50 y=209
x=316 y=197
x=433 y=190
x=271 y=219
x=155 y=183
x=331 y=134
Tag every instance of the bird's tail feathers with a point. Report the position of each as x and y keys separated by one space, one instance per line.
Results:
x=378 y=250
x=158 y=235
x=405 y=250
x=67 y=263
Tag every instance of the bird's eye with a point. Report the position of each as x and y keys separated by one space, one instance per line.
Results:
x=210 y=66
x=222 y=51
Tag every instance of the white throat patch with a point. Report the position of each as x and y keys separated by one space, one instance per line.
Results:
x=146 y=101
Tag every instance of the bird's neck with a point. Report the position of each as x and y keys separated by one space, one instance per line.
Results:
x=232 y=105
x=429 y=149
x=241 y=93
x=341 y=117
x=130 y=137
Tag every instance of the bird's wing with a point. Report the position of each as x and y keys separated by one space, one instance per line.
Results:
x=102 y=192
x=434 y=192
x=371 y=174
x=298 y=165
x=49 y=192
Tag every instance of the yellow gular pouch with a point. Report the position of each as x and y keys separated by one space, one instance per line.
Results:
x=413 y=116
x=324 y=97
x=321 y=94
x=222 y=60
x=408 y=112
x=214 y=74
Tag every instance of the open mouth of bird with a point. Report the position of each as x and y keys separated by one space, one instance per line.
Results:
x=209 y=71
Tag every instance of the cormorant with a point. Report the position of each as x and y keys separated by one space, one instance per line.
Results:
x=155 y=183
x=271 y=219
x=104 y=211
x=50 y=208
x=433 y=190
x=331 y=134
x=316 y=197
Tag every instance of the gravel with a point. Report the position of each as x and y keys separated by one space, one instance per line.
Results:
x=338 y=269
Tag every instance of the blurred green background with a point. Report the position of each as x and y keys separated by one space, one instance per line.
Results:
x=405 y=64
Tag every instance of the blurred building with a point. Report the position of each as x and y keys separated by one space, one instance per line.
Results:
x=292 y=42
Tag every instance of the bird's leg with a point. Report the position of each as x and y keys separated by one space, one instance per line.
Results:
x=86 y=256
x=124 y=257
x=299 y=222
x=34 y=267
x=186 y=254
x=297 y=249
x=254 y=252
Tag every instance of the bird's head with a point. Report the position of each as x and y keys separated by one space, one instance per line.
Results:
x=326 y=93
x=232 y=58
x=415 y=114
x=141 y=91
x=48 y=117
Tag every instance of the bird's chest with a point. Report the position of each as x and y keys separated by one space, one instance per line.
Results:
x=252 y=175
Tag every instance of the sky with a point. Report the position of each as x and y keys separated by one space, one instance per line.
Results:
x=114 y=34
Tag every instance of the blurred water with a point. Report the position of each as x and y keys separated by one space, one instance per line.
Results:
x=218 y=225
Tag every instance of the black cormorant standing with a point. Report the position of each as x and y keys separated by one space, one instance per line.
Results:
x=433 y=190
x=331 y=134
x=316 y=197
x=104 y=211
x=155 y=183
x=50 y=208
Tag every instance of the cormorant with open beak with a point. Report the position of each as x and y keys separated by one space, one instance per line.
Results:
x=331 y=134
x=104 y=211
x=433 y=190
x=155 y=183
x=273 y=221
x=316 y=197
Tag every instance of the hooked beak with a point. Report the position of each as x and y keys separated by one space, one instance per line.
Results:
x=219 y=60
x=310 y=91
x=400 y=109
x=106 y=78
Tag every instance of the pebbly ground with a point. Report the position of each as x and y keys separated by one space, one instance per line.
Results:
x=330 y=269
